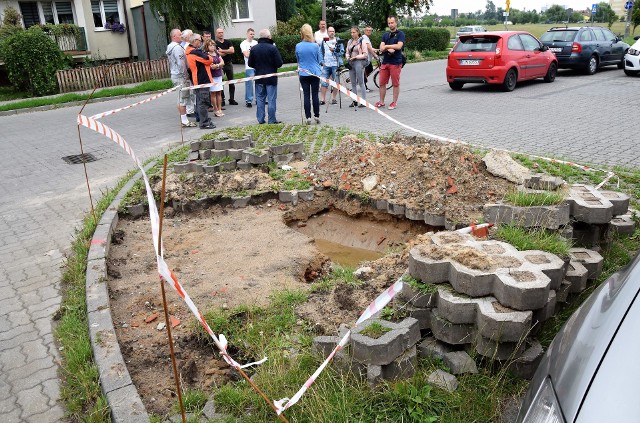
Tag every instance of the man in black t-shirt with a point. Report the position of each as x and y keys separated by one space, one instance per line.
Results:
x=226 y=50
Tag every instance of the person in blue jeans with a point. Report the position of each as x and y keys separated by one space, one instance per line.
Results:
x=245 y=47
x=309 y=68
x=265 y=59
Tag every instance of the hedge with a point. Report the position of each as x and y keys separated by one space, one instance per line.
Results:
x=421 y=39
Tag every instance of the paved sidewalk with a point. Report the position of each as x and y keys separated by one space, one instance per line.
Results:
x=42 y=199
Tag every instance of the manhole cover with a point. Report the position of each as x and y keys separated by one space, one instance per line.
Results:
x=79 y=158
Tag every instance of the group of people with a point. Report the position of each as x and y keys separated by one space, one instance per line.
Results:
x=196 y=59
x=321 y=53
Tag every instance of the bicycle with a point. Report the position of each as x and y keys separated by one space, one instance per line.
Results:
x=343 y=73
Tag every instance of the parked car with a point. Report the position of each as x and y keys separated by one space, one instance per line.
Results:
x=500 y=57
x=590 y=372
x=632 y=58
x=471 y=29
x=585 y=47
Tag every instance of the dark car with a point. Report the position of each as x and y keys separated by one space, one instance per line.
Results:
x=501 y=58
x=591 y=372
x=586 y=47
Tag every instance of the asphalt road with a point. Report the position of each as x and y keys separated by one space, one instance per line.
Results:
x=585 y=119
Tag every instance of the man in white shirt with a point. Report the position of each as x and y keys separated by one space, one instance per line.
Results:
x=245 y=47
x=322 y=33
x=332 y=51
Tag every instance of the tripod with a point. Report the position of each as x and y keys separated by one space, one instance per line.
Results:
x=337 y=52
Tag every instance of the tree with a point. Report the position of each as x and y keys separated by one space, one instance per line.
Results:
x=556 y=13
x=375 y=12
x=605 y=14
x=194 y=13
x=311 y=11
x=635 y=15
x=285 y=9
x=490 y=11
x=337 y=15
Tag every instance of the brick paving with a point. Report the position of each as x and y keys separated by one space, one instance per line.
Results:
x=43 y=199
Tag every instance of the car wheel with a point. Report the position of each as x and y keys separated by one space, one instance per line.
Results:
x=621 y=63
x=630 y=72
x=510 y=80
x=456 y=86
x=592 y=67
x=551 y=73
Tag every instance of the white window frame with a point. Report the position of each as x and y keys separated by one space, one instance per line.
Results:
x=54 y=11
x=236 y=12
x=103 y=17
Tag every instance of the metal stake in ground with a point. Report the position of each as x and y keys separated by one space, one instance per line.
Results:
x=164 y=296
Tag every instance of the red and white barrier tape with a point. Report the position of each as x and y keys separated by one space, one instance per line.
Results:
x=473 y=228
x=248 y=78
x=114 y=111
x=377 y=305
x=163 y=269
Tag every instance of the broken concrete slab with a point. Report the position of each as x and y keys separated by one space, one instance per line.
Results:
x=431 y=347
x=543 y=181
x=501 y=164
x=526 y=364
x=389 y=346
x=443 y=380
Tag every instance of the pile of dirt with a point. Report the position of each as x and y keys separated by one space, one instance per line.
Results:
x=443 y=179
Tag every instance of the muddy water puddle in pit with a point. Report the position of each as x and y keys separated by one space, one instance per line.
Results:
x=348 y=241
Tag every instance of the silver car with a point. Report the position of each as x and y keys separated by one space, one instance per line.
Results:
x=591 y=371
x=471 y=29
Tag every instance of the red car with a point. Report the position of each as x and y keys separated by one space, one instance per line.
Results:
x=499 y=57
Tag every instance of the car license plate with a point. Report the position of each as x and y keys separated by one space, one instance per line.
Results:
x=556 y=49
x=467 y=62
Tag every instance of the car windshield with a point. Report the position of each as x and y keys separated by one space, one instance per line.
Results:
x=465 y=29
x=558 y=36
x=477 y=44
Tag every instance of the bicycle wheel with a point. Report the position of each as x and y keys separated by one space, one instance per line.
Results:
x=344 y=77
x=376 y=74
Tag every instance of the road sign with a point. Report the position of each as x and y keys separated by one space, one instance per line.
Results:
x=594 y=8
x=508 y=5
x=628 y=5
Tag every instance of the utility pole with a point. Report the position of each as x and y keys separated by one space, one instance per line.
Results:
x=324 y=10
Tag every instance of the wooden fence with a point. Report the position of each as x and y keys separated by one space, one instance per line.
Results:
x=111 y=75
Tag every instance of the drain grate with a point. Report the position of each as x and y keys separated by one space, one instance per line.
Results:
x=79 y=158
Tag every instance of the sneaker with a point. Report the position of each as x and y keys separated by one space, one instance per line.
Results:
x=334 y=101
x=249 y=105
x=368 y=90
x=191 y=115
x=379 y=104
x=209 y=126
x=361 y=105
x=317 y=119
x=233 y=102
x=353 y=104
x=322 y=103
x=392 y=106
x=189 y=125
x=308 y=121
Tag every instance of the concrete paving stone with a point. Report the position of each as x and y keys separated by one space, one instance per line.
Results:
x=48 y=292
x=431 y=347
x=32 y=401
x=45 y=305
x=619 y=200
x=545 y=313
x=402 y=367
x=589 y=205
x=549 y=217
x=623 y=225
x=345 y=363
x=526 y=364
x=323 y=345
x=389 y=346
x=543 y=181
x=417 y=297
x=443 y=380
x=12 y=358
x=34 y=350
x=563 y=292
x=18 y=318
x=12 y=416
x=445 y=331
x=459 y=362
x=551 y=265
x=7 y=404
x=31 y=374
x=576 y=276
x=498 y=350
x=590 y=259
x=51 y=388
x=589 y=235
x=53 y=414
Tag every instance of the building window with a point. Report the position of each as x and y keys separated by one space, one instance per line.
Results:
x=105 y=13
x=42 y=12
x=241 y=11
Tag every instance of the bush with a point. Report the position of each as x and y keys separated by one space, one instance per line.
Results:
x=32 y=59
x=420 y=39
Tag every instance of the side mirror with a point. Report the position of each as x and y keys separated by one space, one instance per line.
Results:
x=637 y=37
x=544 y=48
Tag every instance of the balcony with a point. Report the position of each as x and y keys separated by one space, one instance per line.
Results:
x=70 y=38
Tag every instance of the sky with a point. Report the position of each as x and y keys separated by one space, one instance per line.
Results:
x=443 y=7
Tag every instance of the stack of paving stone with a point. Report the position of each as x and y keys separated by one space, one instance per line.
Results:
x=585 y=216
x=392 y=356
x=234 y=154
x=488 y=296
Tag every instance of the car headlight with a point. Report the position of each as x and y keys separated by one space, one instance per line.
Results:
x=544 y=408
x=634 y=52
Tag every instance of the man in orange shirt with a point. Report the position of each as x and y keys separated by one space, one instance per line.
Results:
x=200 y=68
